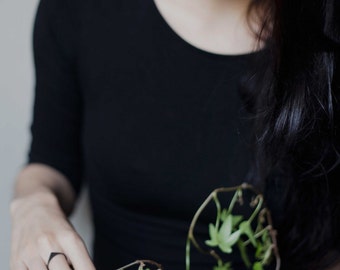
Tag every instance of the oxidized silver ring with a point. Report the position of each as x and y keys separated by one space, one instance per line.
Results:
x=52 y=255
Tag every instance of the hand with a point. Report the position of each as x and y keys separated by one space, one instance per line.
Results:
x=40 y=227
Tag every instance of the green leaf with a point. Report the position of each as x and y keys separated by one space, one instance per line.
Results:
x=259 y=251
x=225 y=266
x=226 y=248
x=226 y=239
x=233 y=238
x=237 y=220
x=226 y=228
x=213 y=233
x=211 y=243
x=224 y=214
x=245 y=228
x=223 y=238
x=257 y=266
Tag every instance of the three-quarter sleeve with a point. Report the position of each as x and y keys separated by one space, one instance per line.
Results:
x=57 y=110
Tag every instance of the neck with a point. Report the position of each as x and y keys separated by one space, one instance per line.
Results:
x=216 y=8
x=219 y=26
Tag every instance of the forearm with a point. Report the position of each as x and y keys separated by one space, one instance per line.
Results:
x=45 y=182
x=42 y=197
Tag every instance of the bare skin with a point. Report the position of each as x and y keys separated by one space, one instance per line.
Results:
x=218 y=26
x=44 y=198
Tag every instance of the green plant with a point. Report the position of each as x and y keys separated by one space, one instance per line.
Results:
x=142 y=265
x=230 y=231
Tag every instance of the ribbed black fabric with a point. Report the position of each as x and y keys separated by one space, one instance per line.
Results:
x=153 y=123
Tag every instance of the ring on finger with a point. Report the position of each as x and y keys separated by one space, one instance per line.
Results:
x=54 y=254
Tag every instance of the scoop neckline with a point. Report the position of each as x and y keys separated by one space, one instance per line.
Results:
x=195 y=49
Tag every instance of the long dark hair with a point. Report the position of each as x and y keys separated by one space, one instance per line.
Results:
x=293 y=98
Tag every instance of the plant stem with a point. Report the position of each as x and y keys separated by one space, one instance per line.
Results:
x=273 y=233
x=129 y=265
x=259 y=234
x=191 y=236
x=233 y=200
x=142 y=262
x=213 y=195
x=218 y=208
x=187 y=254
x=257 y=209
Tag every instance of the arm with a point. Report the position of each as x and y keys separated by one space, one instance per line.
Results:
x=46 y=188
x=45 y=182
x=39 y=224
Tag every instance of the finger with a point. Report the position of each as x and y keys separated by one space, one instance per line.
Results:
x=18 y=266
x=36 y=264
x=78 y=254
x=48 y=246
x=59 y=262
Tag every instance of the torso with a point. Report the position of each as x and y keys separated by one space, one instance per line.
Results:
x=163 y=127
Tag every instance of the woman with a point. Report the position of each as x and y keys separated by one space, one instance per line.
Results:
x=156 y=103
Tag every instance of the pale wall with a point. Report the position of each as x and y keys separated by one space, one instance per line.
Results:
x=16 y=95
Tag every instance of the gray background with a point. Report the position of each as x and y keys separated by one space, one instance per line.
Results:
x=16 y=96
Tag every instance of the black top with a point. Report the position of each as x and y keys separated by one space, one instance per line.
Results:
x=152 y=123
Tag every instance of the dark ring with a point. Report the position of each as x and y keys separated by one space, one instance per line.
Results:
x=52 y=255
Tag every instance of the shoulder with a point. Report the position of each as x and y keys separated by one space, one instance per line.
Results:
x=80 y=12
